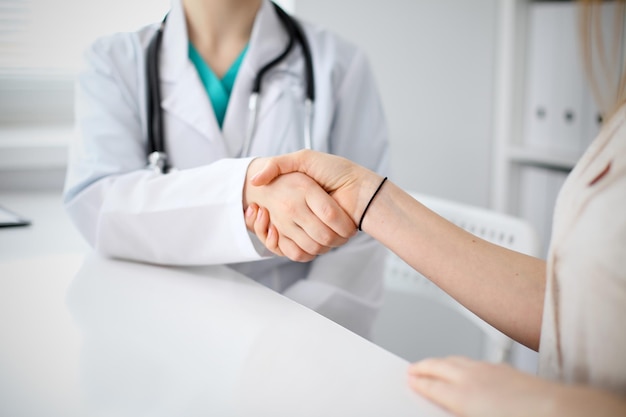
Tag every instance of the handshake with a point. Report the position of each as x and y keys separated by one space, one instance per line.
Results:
x=302 y=204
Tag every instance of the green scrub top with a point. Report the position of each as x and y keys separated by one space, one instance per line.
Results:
x=217 y=90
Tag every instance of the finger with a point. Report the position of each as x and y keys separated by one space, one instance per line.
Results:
x=426 y=386
x=250 y=216
x=448 y=369
x=319 y=238
x=272 y=240
x=325 y=208
x=279 y=165
x=292 y=251
x=299 y=223
x=440 y=392
x=261 y=224
x=301 y=238
x=270 y=171
x=263 y=228
x=315 y=237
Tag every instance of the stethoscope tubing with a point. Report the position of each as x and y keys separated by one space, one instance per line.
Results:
x=157 y=157
x=156 y=152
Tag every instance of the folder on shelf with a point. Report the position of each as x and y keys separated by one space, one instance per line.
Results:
x=560 y=114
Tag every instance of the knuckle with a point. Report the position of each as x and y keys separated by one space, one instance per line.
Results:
x=339 y=242
x=288 y=207
x=315 y=249
x=328 y=212
x=327 y=238
x=292 y=253
x=333 y=215
x=302 y=256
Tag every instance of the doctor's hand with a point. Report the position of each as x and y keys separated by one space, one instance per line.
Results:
x=307 y=221
x=258 y=221
x=350 y=184
x=472 y=388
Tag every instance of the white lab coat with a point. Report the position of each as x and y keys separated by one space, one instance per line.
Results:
x=194 y=216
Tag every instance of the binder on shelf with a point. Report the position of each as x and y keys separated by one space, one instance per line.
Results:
x=559 y=112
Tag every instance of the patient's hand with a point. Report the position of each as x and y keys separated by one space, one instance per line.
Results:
x=305 y=220
x=351 y=185
x=472 y=388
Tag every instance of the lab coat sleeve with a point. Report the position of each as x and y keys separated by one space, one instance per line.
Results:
x=187 y=217
x=346 y=283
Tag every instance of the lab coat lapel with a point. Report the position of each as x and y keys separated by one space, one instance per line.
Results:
x=188 y=101
x=183 y=95
x=268 y=40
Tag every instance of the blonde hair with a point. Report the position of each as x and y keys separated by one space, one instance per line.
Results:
x=601 y=56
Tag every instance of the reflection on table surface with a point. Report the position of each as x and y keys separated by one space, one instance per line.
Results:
x=85 y=336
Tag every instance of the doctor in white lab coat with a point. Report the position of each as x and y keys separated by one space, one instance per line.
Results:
x=194 y=215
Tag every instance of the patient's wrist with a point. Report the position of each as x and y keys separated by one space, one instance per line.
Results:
x=371 y=200
x=366 y=188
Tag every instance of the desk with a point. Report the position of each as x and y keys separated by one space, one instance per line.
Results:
x=51 y=231
x=86 y=336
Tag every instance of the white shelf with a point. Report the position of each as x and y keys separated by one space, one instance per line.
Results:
x=527 y=175
x=547 y=158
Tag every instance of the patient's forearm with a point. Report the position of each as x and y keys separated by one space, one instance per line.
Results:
x=503 y=287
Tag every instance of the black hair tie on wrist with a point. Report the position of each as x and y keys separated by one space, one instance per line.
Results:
x=370 y=202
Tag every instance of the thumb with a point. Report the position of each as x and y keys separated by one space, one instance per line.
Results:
x=277 y=166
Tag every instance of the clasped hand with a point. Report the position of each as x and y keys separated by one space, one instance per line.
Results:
x=302 y=204
x=294 y=216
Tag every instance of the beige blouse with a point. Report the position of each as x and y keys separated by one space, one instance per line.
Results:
x=583 y=336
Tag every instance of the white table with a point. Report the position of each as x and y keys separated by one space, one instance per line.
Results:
x=85 y=336
x=51 y=231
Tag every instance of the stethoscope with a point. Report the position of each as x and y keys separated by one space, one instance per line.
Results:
x=157 y=157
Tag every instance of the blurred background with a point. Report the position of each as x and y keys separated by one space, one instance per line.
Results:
x=485 y=99
x=458 y=79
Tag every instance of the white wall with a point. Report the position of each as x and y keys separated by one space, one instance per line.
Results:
x=434 y=62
